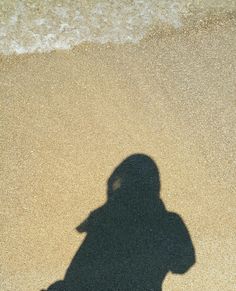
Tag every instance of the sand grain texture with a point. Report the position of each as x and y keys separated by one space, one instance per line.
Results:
x=69 y=118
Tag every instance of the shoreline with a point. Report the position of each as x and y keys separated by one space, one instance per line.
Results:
x=157 y=31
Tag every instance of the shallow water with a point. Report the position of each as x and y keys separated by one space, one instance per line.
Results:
x=42 y=26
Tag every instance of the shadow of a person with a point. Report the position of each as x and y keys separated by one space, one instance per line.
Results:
x=132 y=241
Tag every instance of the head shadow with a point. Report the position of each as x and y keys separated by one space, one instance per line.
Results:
x=132 y=241
x=136 y=179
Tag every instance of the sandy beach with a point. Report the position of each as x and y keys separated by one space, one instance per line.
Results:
x=68 y=118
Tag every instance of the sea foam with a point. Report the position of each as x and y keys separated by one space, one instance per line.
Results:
x=43 y=26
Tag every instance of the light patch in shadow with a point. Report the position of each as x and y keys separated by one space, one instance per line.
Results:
x=116 y=184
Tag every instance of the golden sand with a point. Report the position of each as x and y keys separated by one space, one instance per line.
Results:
x=68 y=118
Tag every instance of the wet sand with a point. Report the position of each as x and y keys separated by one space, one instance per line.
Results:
x=68 y=118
